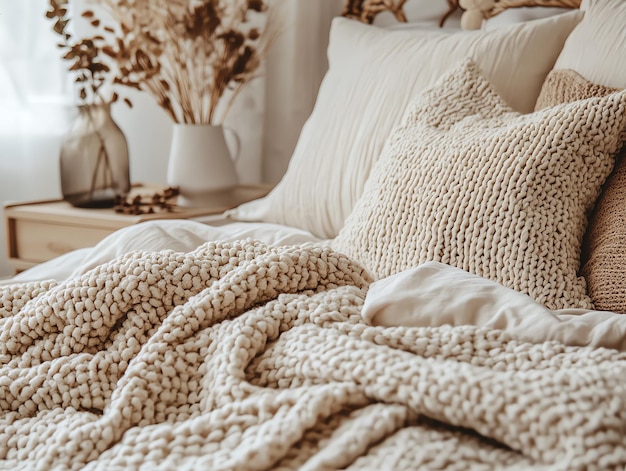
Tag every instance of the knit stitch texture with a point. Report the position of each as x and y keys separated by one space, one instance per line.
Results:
x=566 y=85
x=603 y=262
x=240 y=356
x=469 y=182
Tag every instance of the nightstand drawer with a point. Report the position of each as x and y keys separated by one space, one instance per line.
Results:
x=39 y=241
x=38 y=231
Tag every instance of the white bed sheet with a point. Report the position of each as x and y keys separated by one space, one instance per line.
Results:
x=180 y=235
x=434 y=294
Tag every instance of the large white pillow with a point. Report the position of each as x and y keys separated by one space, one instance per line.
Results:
x=373 y=75
x=519 y=15
x=596 y=48
x=469 y=182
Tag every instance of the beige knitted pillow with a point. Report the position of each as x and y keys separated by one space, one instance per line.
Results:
x=469 y=182
x=604 y=247
x=565 y=86
x=603 y=261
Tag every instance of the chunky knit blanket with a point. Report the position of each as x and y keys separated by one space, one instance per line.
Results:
x=240 y=356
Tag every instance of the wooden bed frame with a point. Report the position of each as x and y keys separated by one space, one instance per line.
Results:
x=366 y=10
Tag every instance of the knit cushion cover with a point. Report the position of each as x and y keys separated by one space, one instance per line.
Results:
x=469 y=182
x=565 y=86
x=603 y=261
x=604 y=247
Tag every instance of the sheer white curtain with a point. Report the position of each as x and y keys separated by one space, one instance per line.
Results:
x=35 y=106
x=35 y=101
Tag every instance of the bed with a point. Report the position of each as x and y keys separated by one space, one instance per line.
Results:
x=437 y=282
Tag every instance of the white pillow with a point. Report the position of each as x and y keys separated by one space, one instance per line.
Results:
x=518 y=15
x=374 y=74
x=421 y=297
x=596 y=49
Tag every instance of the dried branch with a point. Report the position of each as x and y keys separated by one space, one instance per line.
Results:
x=84 y=54
x=453 y=6
x=191 y=56
x=158 y=202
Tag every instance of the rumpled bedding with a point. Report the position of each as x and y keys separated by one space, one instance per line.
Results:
x=435 y=294
x=181 y=235
x=245 y=356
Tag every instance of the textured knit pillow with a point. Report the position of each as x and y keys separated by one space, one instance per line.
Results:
x=603 y=261
x=604 y=246
x=471 y=183
x=565 y=86
x=596 y=49
x=373 y=75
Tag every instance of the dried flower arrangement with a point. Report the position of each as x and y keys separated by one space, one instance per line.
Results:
x=366 y=10
x=95 y=148
x=187 y=54
x=500 y=5
x=85 y=55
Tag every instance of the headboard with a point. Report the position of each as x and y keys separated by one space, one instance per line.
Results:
x=366 y=10
x=474 y=11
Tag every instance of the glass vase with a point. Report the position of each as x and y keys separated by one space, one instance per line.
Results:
x=94 y=159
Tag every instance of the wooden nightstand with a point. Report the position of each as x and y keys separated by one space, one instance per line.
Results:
x=41 y=230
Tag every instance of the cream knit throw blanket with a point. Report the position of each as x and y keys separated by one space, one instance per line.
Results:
x=240 y=356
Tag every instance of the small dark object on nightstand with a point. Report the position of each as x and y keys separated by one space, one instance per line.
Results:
x=161 y=201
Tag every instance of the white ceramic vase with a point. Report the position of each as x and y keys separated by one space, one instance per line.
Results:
x=201 y=164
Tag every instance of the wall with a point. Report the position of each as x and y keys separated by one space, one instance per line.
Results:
x=28 y=170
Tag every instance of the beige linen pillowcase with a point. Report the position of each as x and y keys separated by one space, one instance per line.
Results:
x=469 y=182
x=373 y=75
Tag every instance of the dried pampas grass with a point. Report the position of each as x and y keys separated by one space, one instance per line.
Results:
x=189 y=55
